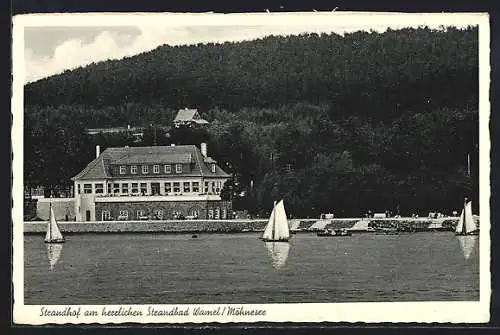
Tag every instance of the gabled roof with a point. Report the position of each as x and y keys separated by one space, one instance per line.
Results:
x=99 y=168
x=94 y=170
x=156 y=157
x=188 y=115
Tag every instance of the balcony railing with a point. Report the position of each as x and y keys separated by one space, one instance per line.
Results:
x=138 y=194
x=156 y=197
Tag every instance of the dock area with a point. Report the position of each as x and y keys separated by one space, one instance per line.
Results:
x=234 y=226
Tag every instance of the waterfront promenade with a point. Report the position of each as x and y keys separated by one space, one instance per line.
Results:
x=228 y=226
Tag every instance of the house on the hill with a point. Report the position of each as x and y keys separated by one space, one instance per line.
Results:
x=160 y=182
x=188 y=117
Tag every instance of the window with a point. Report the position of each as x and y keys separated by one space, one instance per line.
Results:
x=144 y=188
x=99 y=188
x=178 y=168
x=210 y=214
x=106 y=215
x=135 y=188
x=155 y=189
x=144 y=169
x=133 y=169
x=140 y=214
x=217 y=213
x=79 y=191
x=110 y=189
x=125 y=188
x=156 y=169
x=168 y=168
x=196 y=187
x=187 y=187
x=124 y=214
x=177 y=187
x=206 y=187
x=87 y=188
x=159 y=214
x=116 y=188
x=224 y=213
x=168 y=187
x=123 y=169
x=213 y=168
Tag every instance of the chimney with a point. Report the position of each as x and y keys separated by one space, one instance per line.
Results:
x=97 y=151
x=203 y=147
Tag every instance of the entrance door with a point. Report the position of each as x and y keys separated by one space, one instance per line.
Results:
x=87 y=215
x=155 y=188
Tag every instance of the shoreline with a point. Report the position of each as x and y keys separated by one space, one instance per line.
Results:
x=226 y=226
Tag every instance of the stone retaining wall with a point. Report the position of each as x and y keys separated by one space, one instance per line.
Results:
x=216 y=226
x=222 y=226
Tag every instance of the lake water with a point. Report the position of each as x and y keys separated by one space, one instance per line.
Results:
x=239 y=268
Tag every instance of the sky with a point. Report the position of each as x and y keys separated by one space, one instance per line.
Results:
x=49 y=50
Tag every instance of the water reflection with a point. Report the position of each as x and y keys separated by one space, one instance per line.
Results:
x=467 y=244
x=54 y=251
x=279 y=253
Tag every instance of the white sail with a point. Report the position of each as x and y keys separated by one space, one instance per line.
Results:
x=467 y=244
x=466 y=223
x=54 y=253
x=268 y=231
x=460 y=224
x=282 y=230
x=279 y=253
x=277 y=227
x=53 y=232
x=470 y=224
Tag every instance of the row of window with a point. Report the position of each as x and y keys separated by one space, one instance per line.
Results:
x=142 y=188
x=159 y=214
x=167 y=168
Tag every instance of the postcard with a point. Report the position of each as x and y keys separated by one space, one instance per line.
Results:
x=257 y=167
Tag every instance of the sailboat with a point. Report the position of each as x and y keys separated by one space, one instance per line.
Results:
x=53 y=234
x=54 y=253
x=466 y=224
x=279 y=253
x=277 y=229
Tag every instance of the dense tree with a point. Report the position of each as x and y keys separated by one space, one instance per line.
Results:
x=364 y=121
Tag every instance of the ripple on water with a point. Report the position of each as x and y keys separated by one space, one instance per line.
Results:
x=229 y=268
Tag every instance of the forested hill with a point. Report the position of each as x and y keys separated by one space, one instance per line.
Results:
x=372 y=74
x=364 y=120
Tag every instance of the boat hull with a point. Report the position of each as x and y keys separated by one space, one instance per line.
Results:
x=268 y=240
x=476 y=232
x=334 y=235
x=56 y=241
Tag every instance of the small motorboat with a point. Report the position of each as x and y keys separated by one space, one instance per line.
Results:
x=334 y=233
x=194 y=236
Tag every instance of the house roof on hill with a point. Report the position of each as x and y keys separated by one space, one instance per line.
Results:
x=189 y=115
x=100 y=168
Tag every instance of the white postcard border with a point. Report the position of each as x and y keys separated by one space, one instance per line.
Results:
x=455 y=312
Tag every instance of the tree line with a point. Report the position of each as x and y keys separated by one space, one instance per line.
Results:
x=330 y=123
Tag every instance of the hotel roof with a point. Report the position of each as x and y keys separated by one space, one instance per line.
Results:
x=100 y=168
